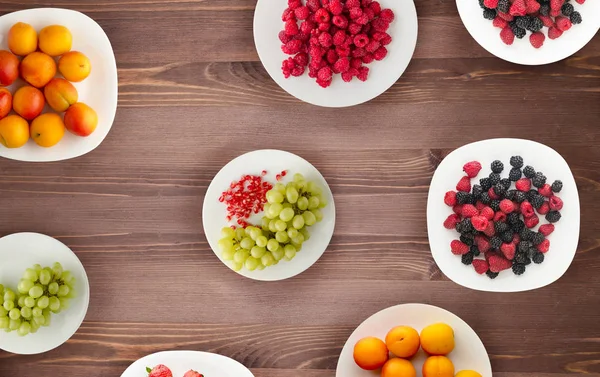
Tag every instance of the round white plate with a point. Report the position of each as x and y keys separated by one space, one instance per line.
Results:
x=469 y=351
x=382 y=75
x=273 y=161
x=99 y=90
x=179 y=362
x=563 y=241
x=521 y=51
x=20 y=251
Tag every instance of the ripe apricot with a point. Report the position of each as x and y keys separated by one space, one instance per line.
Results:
x=47 y=129
x=370 y=353
x=467 y=373
x=60 y=94
x=403 y=341
x=398 y=368
x=22 y=39
x=74 y=66
x=5 y=102
x=9 y=68
x=438 y=366
x=38 y=69
x=28 y=102
x=80 y=119
x=14 y=131
x=437 y=339
x=55 y=40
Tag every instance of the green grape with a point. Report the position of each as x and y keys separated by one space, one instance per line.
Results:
x=280 y=187
x=26 y=312
x=302 y=203
x=43 y=302
x=21 y=301
x=292 y=232
x=299 y=239
x=1 y=290
x=36 y=291
x=260 y=266
x=37 y=312
x=57 y=270
x=318 y=214
x=9 y=295
x=14 y=313
x=14 y=324
x=313 y=188
x=309 y=218
x=4 y=322
x=255 y=233
x=262 y=241
x=37 y=268
x=247 y=243
x=64 y=303
x=34 y=327
x=240 y=256
x=3 y=312
x=251 y=263
x=305 y=233
x=298 y=177
x=30 y=301
x=8 y=305
x=280 y=225
x=67 y=277
x=225 y=244
x=258 y=251
x=24 y=286
x=282 y=236
x=39 y=320
x=247 y=230
x=47 y=317
x=267 y=259
x=31 y=274
x=274 y=210
x=278 y=254
x=45 y=276
x=287 y=205
x=291 y=194
x=313 y=202
x=266 y=207
x=265 y=223
x=272 y=245
x=322 y=203
x=236 y=266
x=287 y=214
x=274 y=196
x=240 y=233
x=290 y=252
x=63 y=291
x=298 y=222
x=54 y=304
x=24 y=329
x=53 y=287
x=227 y=255
x=227 y=232
x=272 y=226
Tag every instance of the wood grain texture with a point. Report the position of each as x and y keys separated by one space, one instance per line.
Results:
x=193 y=95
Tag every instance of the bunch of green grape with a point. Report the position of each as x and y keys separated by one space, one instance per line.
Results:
x=41 y=292
x=289 y=210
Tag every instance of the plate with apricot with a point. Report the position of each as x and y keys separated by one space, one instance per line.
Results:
x=413 y=340
x=58 y=85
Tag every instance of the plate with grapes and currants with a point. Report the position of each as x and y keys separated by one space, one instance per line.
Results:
x=269 y=215
x=44 y=293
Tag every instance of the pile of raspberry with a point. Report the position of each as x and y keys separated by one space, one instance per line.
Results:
x=334 y=37
x=497 y=220
x=516 y=17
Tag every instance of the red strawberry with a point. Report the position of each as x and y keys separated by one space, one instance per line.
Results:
x=507 y=35
x=556 y=4
x=546 y=229
x=459 y=248
x=498 y=263
x=479 y=205
x=457 y=209
x=544 y=246
x=518 y=8
x=556 y=203
x=450 y=198
x=554 y=33
x=451 y=221
x=544 y=209
x=508 y=249
x=469 y=210
x=501 y=23
x=516 y=238
x=545 y=190
x=507 y=206
x=464 y=184
x=492 y=4
x=546 y=20
x=192 y=373
x=527 y=209
x=532 y=221
x=490 y=230
x=537 y=39
x=563 y=23
x=523 y=184
x=472 y=169
x=532 y=6
x=159 y=371
x=483 y=244
x=481 y=266
x=487 y=212
x=500 y=216
x=480 y=223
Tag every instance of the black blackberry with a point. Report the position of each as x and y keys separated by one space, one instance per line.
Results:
x=495 y=242
x=475 y=250
x=489 y=14
x=482 y=4
x=535 y=25
x=523 y=22
x=501 y=227
x=516 y=162
x=515 y=174
x=463 y=197
x=557 y=186
x=518 y=269
x=518 y=32
x=520 y=258
x=518 y=226
x=503 y=6
x=476 y=192
x=485 y=183
x=537 y=201
x=507 y=236
x=567 y=9
x=458 y=227
x=495 y=205
x=545 y=9
x=467 y=258
x=494 y=179
x=539 y=180
x=531 y=252
x=499 y=189
x=497 y=167
x=510 y=194
x=537 y=238
x=538 y=258
x=532 y=194
x=529 y=172
x=523 y=247
x=491 y=275
x=466 y=225
x=520 y=197
x=526 y=234
x=512 y=218
x=527 y=261
x=506 y=183
x=576 y=18
x=553 y=216
x=467 y=239
x=485 y=198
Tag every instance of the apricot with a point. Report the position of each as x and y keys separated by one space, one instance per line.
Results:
x=467 y=373
x=22 y=39
x=14 y=131
x=438 y=366
x=9 y=68
x=47 y=129
x=55 y=40
x=38 y=69
x=80 y=119
x=5 y=102
x=60 y=94
x=437 y=339
x=403 y=341
x=370 y=353
x=28 y=102
x=74 y=66
x=398 y=368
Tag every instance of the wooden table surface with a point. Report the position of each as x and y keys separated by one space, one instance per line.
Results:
x=193 y=95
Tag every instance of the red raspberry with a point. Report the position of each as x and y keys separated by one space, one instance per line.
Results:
x=523 y=184
x=546 y=229
x=288 y=14
x=315 y=52
x=388 y=14
x=556 y=203
x=347 y=77
x=380 y=25
x=537 y=39
x=302 y=13
x=545 y=190
x=302 y=37
x=507 y=35
x=507 y=206
x=480 y=223
x=342 y=51
x=313 y=5
x=352 y=4
x=291 y=27
x=490 y=230
x=325 y=74
x=365 y=3
x=544 y=246
x=500 y=22
x=342 y=65
x=297 y=71
x=544 y=208
x=324 y=26
x=563 y=23
x=580 y=1
x=331 y=56
x=375 y=7
x=361 y=40
x=340 y=21
x=554 y=33
x=481 y=266
x=500 y=216
x=293 y=4
x=336 y=8
x=306 y=27
x=492 y=194
x=325 y=39
x=479 y=205
x=354 y=28
x=387 y=39
x=464 y=184
x=381 y=53
x=527 y=209
x=312 y=72
x=301 y=59
x=556 y=4
x=459 y=248
x=323 y=84
x=516 y=238
x=555 y=12
x=517 y=207
x=355 y=13
x=339 y=38
x=378 y=36
x=546 y=20
x=498 y=263
x=450 y=198
x=322 y=16
x=451 y=220
x=457 y=209
x=469 y=210
x=358 y=52
x=492 y=4
x=508 y=250
x=283 y=37
x=531 y=221
x=363 y=73
x=532 y=6
x=369 y=13
x=487 y=212
x=518 y=8
x=364 y=20
x=292 y=47
x=483 y=244
x=356 y=63
x=368 y=58
x=505 y=16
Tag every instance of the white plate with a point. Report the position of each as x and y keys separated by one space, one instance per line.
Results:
x=469 y=351
x=382 y=75
x=99 y=90
x=179 y=362
x=273 y=161
x=521 y=51
x=20 y=251
x=563 y=242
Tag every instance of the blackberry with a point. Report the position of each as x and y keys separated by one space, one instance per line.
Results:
x=494 y=179
x=497 y=167
x=535 y=25
x=462 y=197
x=482 y=4
x=527 y=261
x=485 y=183
x=576 y=18
x=485 y=198
x=476 y=192
x=529 y=172
x=491 y=275
x=553 y=216
x=531 y=252
x=537 y=238
x=467 y=239
x=458 y=227
x=545 y=9
x=503 y=6
x=510 y=194
x=467 y=226
x=567 y=9
x=499 y=189
x=516 y=162
x=505 y=182
x=523 y=22
x=532 y=194
x=519 y=32
x=512 y=218
x=526 y=234
x=523 y=247
x=537 y=201
x=489 y=14
x=538 y=258
x=495 y=242
x=475 y=250
x=518 y=269
x=495 y=205
x=501 y=227
x=515 y=174
x=467 y=258
x=520 y=258
x=520 y=197
x=539 y=180
x=507 y=236
x=557 y=186
x=518 y=226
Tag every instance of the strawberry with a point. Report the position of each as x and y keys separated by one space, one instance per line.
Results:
x=544 y=246
x=544 y=209
x=451 y=221
x=537 y=39
x=500 y=216
x=450 y=198
x=481 y=266
x=498 y=263
x=518 y=8
x=554 y=33
x=490 y=230
x=480 y=223
x=507 y=35
x=487 y=212
x=469 y=210
x=464 y=184
x=507 y=206
x=159 y=371
x=483 y=244
x=457 y=209
x=501 y=23
x=563 y=23
x=523 y=184
x=492 y=194
x=472 y=168
x=546 y=229
x=545 y=190
x=192 y=373
x=527 y=209
x=532 y=221
x=508 y=250
x=532 y=6
x=459 y=248
x=556 y=203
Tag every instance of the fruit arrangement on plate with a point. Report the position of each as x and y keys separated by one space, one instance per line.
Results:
x=44 y=55
x=163 y=371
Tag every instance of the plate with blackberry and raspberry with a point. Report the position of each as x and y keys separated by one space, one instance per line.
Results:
x=336 y=53
x=531 y=32
x=503 y=215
